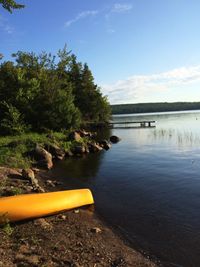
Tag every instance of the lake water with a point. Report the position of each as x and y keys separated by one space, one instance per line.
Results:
x=148 y=185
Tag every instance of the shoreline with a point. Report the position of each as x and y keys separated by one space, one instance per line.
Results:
x=82 y=237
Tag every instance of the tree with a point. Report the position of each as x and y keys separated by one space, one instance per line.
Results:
x=88 y=98
x=12 y=122
x=9 y=5
x=48 y=92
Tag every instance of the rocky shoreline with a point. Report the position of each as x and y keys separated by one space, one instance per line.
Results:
x=81 y=142
x=74 y=238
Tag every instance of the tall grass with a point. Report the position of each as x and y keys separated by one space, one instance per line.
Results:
x=177 y=136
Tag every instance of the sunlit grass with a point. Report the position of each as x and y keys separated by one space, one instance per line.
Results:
x=14 y=149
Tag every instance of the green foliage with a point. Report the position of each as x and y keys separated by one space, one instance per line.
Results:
x=9 y=5
x=16 y=191
x=48 y=93
x=7 y=228
x=12 y=123
x=14 y=149
x=88 y=98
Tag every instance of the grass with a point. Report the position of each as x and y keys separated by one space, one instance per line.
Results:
x=5 y=225
x=7 y=228
x=13 y=149
x=180 y=137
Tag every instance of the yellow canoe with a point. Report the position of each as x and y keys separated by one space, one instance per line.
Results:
x=22 y=207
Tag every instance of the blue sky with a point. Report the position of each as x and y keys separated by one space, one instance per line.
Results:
x=138 y=50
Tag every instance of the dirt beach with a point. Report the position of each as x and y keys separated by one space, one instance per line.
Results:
x=74 y=238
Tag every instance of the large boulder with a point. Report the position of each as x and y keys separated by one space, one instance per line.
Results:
x=94 y=147
x=84 y=133
x=114 y=139
x=28 y=174
x=43 y=157
x=55 y=151
x=105 y=144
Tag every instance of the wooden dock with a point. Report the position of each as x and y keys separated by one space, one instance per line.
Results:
x=135 y=124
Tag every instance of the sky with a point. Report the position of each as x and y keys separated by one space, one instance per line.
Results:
x=138 y=50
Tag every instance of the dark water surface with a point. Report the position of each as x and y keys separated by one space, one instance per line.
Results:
x=148 y=185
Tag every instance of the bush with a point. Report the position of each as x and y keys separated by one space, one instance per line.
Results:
x=12 y=123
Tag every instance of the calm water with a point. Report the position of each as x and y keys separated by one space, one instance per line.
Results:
x=148 y=185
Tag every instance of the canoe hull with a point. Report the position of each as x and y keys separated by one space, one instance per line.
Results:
x=22 y=207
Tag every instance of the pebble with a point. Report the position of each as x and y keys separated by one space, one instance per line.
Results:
x=63 y=217
x=50 y=183
x=24 y=249
x=43 y=224
x=76 y=211
x=32 y=260
x=96 y=230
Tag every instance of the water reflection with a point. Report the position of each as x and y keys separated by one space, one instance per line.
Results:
x=148 y=185
x=84 y=169
x=78 y=171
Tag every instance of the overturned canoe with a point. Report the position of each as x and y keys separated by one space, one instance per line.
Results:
x=22 y=207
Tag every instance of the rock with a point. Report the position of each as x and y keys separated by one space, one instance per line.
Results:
x=43 y=157
x=43 y=224
x=29 y=175
x=94 y=147
x=76 y=211
x=35 y=170
x=84 y=133
x=74 y=136
x=105 y=144
x=55 y=151
x=87 y=149
x=114 y=139
x=50 y=183
x=24 y=249
x=62 y=217
x=68 y=153
x=19 y=257
x=6 y=171
x=96 y=230
x=79 y=149
x=32 y=260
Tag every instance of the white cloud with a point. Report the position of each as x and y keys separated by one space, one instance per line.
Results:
x=113 y=11
x=138 y=87
x=121 y=8
x=82 y=15
x=5 y=26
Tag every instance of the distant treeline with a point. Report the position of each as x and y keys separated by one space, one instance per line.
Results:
x=154 y=107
